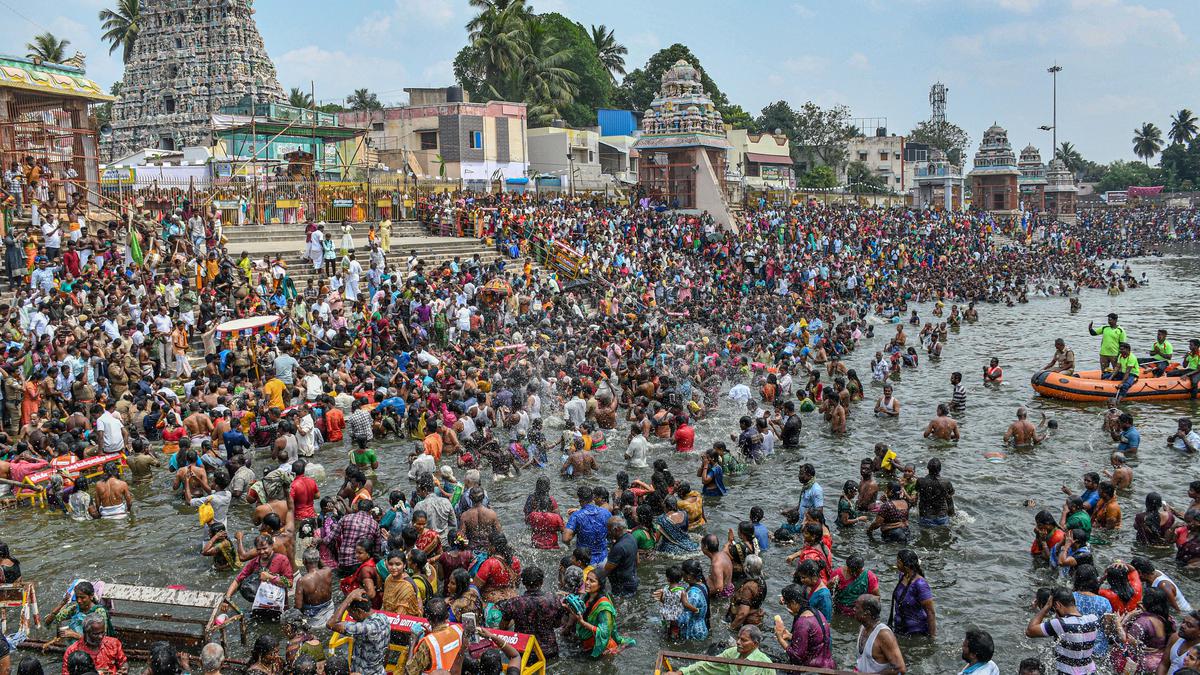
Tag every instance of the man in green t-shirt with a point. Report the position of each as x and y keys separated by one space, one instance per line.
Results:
x=1127 y=371
x=1161 y=352
x=1111 y=337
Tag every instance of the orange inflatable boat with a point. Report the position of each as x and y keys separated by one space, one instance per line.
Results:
x=1086 y=385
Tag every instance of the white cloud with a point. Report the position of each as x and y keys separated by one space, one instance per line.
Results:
x=803 y=11
x=437 y=12
x=1089 y=25
x=1020 y=6
x=548 y=6
x=858 y=60
x=806 y=64
x=438 y=73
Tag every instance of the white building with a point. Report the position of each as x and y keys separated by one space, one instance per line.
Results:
x=883 y=155
x=573 y=155
x=761 y=161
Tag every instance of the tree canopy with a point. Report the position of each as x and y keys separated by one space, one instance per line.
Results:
x=641 y=85
x=945 y=136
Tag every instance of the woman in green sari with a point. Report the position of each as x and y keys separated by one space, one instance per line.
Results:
x=851 y=581
x=595 y=618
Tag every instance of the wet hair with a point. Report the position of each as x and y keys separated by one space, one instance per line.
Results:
x=1143 y=566
x=1152 y=522
x=711 y=543
x=462 y=582
x=1118 y=580
x=264 y=645
x=1045 y=518
x=980 y=644
x=31 y=666
x=532 y=577
x=910 y=560
x=795 y=593
x=1030 y=665
x=756 y=514
x=80 y=663
x=1087 y=579
x=692 y=568
x=164 y=660
x=1156 y=602
x=809 y=568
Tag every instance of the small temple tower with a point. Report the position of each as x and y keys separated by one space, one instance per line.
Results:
x=1032 y=180
x=939 y=182
x=190 y=60
x=994 y=180
x=1060 y=192
x=683 y=148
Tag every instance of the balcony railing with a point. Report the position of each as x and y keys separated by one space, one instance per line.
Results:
x=938 y=171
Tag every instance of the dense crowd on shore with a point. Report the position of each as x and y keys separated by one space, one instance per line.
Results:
x=651 y=321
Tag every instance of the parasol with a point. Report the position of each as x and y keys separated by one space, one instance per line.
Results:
x=249 y=323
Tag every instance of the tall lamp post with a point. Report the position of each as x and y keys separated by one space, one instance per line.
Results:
x=1054 y=71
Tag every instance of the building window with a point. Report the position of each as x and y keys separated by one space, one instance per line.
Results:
x=591 y=157
x=896 y=155
x=883 y=155
x=377 y=126
x=169 y=105
x=897 y=179
x=178 y=43
x=429 y=140
x=862 y=155
x=476 y=140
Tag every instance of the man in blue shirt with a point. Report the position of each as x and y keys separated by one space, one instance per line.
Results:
x=1091 y=491
x=590 y=523
x=812 y=497
x=1129 y=437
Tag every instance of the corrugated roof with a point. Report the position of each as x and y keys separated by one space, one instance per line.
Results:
x=763 y=158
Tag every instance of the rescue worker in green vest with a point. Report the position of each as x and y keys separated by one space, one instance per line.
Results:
x=1126 y=372
x=1191 y=365
x=1111 y=337
x=1161 y=351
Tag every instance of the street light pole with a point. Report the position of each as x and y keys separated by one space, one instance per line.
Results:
x=1054 y=71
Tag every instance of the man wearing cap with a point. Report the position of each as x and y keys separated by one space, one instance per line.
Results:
x=1111 y=337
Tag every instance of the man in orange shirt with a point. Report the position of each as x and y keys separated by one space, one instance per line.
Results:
x=433 y=441
x=334 y=422
x=179 y=344
x=273 y=390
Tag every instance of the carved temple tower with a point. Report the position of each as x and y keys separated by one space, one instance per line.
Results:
x=191 y=58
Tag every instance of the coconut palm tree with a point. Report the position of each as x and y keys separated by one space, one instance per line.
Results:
x=1070 y=156
x=1183 y=127
x=612 y=53
x=499 y=41
x=363 y=99
x=299 y=99
x=490 y=11
x=1147 y=141
x=48 y=48
x=540 y=77
x=121 y=26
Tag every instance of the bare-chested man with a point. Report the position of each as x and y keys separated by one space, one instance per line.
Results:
x=220 y=426
x=1022 y=433
x=720 y=576
x=280 y=532
x=198 y=424
x=189 y=478
x=478 y=523
x=113 y=494
x=942 y=427
x=579 y=462
x=314 y=588
x=868 y=488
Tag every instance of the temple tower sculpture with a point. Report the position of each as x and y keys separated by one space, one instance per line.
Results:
x=191 y=58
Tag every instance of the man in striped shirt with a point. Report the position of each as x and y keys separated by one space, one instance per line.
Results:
x=1075 y=632
x=958 y=402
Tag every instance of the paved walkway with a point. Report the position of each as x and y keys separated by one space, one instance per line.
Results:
x=291 y=247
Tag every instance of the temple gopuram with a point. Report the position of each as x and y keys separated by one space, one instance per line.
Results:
x=994 y=180
x=1033 y=179
x=683 y=148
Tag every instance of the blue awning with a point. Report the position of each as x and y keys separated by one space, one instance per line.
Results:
x=517 y=181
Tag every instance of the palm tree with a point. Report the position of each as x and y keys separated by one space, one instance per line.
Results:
x=1147 y=141
x=490 y=11
x=499 y=40
x=299 y=99
x=48 y=48
x=362 y=99
x=612 y=53
x=121 y=27
x=540 y=77
x=1070 y=156
x=1183 y=127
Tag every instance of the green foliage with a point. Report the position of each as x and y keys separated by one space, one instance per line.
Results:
x=363 y=99
x=1147 y=141
x=48 y=48
x=611 y=53
x=737 y=117
x=332 y=108
x=864 y=181
x=121 y=26
x=641 y=85
x=820 y=178
x=813 y=132
x=1180 y=165
x=1183 y=126
x=945 y=136
x=594 y=84
x=1121 y=174
x=298 y=98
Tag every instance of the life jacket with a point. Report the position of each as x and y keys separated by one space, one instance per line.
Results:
x=444 y=646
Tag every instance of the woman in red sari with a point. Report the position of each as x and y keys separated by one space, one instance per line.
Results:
x=365 y=577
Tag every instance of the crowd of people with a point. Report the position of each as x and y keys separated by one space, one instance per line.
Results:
x=491 y=370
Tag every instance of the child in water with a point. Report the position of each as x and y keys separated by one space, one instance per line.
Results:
x=671 y=600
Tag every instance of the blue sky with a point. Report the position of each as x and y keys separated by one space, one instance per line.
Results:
x=1124 y=62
